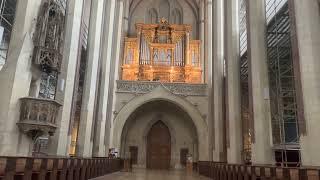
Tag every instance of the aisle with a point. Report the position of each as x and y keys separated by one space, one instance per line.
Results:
x=143 y=174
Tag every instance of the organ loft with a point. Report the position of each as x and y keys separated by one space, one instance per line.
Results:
x=228 y=89
x=162 y=52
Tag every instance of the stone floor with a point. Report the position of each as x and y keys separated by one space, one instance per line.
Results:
x=142 y=174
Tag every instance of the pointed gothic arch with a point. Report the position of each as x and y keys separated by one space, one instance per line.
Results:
x=152 y=16
x=163 y=94
x=158 y=146
x=176 y=16
x=164 y=9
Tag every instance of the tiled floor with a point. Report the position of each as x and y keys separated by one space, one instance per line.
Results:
x=142 y=174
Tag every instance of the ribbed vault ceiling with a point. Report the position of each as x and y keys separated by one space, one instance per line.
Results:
x=193 y=3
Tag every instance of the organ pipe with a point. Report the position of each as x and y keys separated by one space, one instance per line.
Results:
x=162 y=52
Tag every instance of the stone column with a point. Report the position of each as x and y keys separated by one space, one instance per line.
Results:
x=15 y=79
x=125 y=30
x=35 y=83
x=101 y=131
x=59 y=143
x=209 y=60
x=84 y=143
x=259 y=84
x=234 y=125
x=116 y=56
x=218 y=60
x=308 y=28
x=126 y=14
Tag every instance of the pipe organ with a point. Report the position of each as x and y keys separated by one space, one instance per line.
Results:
x=162 y=52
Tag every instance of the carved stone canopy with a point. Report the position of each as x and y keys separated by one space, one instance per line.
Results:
x=49 y=36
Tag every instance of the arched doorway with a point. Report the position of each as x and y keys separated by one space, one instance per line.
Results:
x=158 y=147
x=185 y=122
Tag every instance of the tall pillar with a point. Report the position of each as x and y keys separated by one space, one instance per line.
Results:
x=308 y=41
x=116 y=56
x=258 y=83
x=84 y=143
x=15 y=80
x=234 y=125
x=126 y=14
x=101 y=131
x=125 y=31
x=218 y=78
x=59 y=143
x=209 y=59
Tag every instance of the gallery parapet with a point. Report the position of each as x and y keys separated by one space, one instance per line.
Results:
x=143 y=87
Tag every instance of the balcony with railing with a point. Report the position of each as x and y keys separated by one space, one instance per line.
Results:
x=38 y=116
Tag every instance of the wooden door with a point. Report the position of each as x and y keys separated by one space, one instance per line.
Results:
x=134 y=154
x=183 y=156
x=158 y=147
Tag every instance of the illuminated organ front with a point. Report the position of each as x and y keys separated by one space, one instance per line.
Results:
x=162 y=52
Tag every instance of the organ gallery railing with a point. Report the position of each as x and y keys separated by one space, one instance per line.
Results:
x=162 y=52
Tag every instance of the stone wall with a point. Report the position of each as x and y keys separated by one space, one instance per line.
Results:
x=138 y=106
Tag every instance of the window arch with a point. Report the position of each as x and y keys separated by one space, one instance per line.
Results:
x=164 y=9
x=176 y=17
x=7 y=17
x=152 y=16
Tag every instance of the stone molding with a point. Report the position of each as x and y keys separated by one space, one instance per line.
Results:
x=143 y=87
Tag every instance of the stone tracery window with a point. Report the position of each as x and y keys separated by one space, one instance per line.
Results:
x=176 y=17
x=48 y=85
x=7 y=16
x=164 y=9
x=152 y=16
